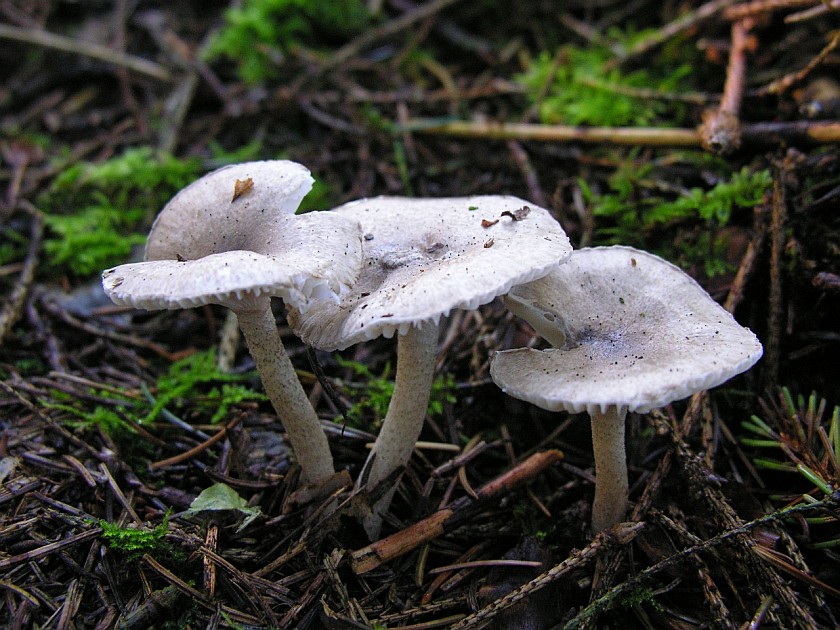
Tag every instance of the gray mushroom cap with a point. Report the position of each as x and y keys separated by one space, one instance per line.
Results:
x=208 y=216
x=210 y=246
x=635 y=330
x=425 y=257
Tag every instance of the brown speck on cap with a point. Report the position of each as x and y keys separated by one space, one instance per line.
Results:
x=241 y=186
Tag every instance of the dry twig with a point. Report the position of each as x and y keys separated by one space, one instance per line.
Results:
x=445 y=520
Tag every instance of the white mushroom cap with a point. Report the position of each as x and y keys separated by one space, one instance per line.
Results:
x=232 y=238
x=208 y=216
x=637 y=332
x=210 y=246
x=318 y=257
x=425 y=257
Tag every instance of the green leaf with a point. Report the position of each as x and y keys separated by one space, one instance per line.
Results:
x=221 y=497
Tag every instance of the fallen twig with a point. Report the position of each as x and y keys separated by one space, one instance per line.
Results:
x=356 y=46
x=13 y=308
x=87 y=49
x=778 y=238
x=177 y=459
x=616 y=594
x=757 y=7
x=721 y=129
x=447 y=519
x=783 y=83
x=620 y=535
x=758 y=134
x=686 y=21
x=28 y=556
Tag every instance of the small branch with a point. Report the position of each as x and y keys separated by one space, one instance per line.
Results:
x=748 y=262
x=86 y=49
x=29 y=556
x=356 y=46
x=749 y=9
x=619 y=535
x=177 y=459
x=529 y=173
x=674 y=28
x=772 y=344
x=616 y=594
x=759 y=134
x=13 y=308
x=783 y=83
x=720 y=132
x=443 y=521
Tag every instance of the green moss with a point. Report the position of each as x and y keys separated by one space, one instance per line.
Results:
x=93 y=211
x=187 y=381
x=134 y=542
x=14 y=246
x=259 y=34
x=743 y=190
x=586 y=89
x=636 y=208
x=372 y=405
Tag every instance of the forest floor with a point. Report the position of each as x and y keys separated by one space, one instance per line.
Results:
x=706 y=133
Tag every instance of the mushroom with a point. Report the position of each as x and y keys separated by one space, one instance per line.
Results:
x=631 y=332
x=232 y=238
x=422 y=259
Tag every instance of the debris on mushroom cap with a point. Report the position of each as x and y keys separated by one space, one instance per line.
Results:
x=426 y=257
x=301 y=259
x=222 y=212
x=636 y=330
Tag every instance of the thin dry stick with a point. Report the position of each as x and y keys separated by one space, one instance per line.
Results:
x=748 y=262
x=49 y=548
x=13 y=308
x=813 y=12
x=197 y=595
x=131 y=340
x=242 y=580
x=680 y=25
x=619 y=535
x=177 y=459
x=772 y=344
x=720 y=132
x=87 y=49
x=529 y=174
x=759 y=134
x=356 y=46
x=118 y=493
x=758 y=7
x=306 y=599
x=445 y=520
x=618 y=593
x=783 y=83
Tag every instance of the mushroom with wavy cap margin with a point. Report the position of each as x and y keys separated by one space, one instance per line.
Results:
x=232 y=238
x=631 y=332
x=422 y=259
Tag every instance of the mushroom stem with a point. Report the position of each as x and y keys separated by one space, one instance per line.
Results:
x=416 y=352
x=611 y=485
x=283 y=388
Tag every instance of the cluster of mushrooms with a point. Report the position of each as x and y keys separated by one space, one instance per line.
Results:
x=628 y=330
